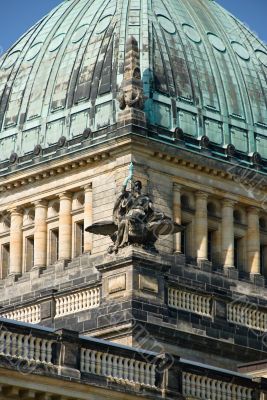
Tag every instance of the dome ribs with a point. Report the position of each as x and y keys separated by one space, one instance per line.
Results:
x=202 y=71
x=92 y=60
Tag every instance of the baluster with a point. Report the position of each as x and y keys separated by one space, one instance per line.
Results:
x=20 y=345
x=148 y=368
x=3 y=343
x=94 y=301
x=198 y=386
x=33 y=314
x=234 y=319
x=31 y=348
x=115 y=367
x=229 y=392
x=26 y=347
x=208 y=309
x=224 y=391
x=153 y=375
x=93 y=362
x=170 y=297
x=213 y=389
x=131 y=371
x=88 y=367
x=121 y=370
x=110 y=357
x=193 y=384
x=80 y=301
x=65 y=306
x=43 y=350
x=38 y=349
x=137 y=371
x=98 y=363
x=58 y=307
x=104 y=364
x=187 y=301
x=203 y=388
x=49 y=352
x=60 y=310
x=142 y=372
x=85 y=299
x=75 y=303
x=82 y=361
x=14 y=344
x=187 y=387
x=179 y=303
x=208 y=388
x=72 y=303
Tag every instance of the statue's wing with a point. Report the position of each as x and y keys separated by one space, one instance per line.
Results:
x=105 y=228
x=164 y=227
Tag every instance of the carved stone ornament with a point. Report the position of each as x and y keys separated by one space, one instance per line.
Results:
x=131 y=93
x=135 y=220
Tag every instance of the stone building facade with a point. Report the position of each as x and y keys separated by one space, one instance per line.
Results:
x=179 y=90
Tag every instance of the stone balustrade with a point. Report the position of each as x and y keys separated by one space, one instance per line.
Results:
x=203 y=387
x=189 y=301
x=31 y=314
x=80 y=301
x=26 y=347
x=114 y=366
x=93 y=361
x=247 y=315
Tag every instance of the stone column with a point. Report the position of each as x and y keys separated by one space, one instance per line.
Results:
x=228 y=233
x=177 y=217
x=16 y=241
x=201 y=226
x=65 y=226
x=88 y=217
x=40 y=234
x=253 y=241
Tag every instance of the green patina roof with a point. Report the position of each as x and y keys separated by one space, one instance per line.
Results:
x=202 y=69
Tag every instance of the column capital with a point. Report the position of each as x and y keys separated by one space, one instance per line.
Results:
x=40 y=203
x=201 y=195
x=177 y=186
x=65 y=196
x=253 y=210
x=16 y=211
x=229 y=203
x=88 y=187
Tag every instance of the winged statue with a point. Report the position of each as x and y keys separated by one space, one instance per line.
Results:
x=135 y=220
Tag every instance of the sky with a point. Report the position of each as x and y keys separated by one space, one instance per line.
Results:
x=16 y=16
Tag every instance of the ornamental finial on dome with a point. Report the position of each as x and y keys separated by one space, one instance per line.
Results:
x=131 y=97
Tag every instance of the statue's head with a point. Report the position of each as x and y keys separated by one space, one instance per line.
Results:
x=137 y=186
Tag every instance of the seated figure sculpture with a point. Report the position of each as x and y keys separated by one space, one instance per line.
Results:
x=135 y=221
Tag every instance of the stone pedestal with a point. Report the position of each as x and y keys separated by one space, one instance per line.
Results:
x=257 y=279
x=133 y=273
x=132 y=115
x=231 y=273
x=66 y=354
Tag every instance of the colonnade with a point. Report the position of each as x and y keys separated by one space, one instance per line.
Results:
x=41 y=231
x=227 y=230
x=200 y=230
